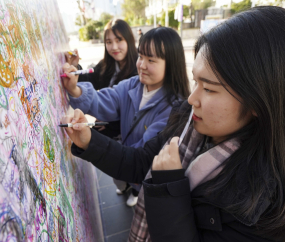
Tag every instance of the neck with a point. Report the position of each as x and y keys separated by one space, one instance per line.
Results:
x=121 y=64
x=152 y=87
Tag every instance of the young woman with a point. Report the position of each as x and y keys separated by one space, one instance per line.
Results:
x=119 y=58
x=141 y=103
x=119 y=63
x=225 y=182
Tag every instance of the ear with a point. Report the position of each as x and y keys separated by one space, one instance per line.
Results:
x=254 y=113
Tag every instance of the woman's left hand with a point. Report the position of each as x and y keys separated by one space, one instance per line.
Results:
x=168 y=158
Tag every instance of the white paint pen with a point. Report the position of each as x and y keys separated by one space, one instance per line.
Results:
x=79 y=72
x=69 y=125
x=185 y=128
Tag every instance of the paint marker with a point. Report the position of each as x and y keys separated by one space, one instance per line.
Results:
x=69 y=125
x=71 y=53
x=79 y=72
x=185 y=128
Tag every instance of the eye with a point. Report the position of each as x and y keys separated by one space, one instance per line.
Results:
x=208 y=91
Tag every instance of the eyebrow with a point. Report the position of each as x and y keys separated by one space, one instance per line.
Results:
x=209 y=82
x=147 y=55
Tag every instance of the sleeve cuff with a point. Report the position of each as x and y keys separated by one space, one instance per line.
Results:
x=159 y=177
x=174 y=189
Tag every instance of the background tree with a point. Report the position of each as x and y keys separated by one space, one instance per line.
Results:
x=241 y=6
x=79 y=22
x=105 y=18
x=198 y=4
x=134 y=10
x=82 y=12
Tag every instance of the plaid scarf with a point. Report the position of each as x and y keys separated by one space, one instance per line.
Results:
x=198 y=169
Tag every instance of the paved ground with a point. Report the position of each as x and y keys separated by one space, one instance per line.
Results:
x=116 y=215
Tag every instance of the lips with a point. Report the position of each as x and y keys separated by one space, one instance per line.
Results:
x=116 y=53
x=196 y=118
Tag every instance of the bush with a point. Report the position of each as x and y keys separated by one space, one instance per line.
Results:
x=83 y=35
x=172 y=22
x=91 y=30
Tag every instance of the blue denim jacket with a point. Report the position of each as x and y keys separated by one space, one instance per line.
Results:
x=122 y=103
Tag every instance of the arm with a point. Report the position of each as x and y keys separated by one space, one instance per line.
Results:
x=169 y=213
x=121 y=162
x=104 y=105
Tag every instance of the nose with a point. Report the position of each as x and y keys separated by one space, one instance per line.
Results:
x=114 y=45
x=142 y=64
x=194 y=98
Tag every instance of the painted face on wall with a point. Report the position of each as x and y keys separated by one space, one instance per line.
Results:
x=117 y=47
x=216 y=111
x=151 y=70
x=5 y=129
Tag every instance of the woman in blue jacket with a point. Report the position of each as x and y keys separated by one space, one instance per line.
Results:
x=142 y=103
x=226 y=180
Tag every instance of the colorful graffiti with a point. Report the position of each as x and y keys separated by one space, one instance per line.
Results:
x=46 y=194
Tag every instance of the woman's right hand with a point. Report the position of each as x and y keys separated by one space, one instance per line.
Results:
x=70 y=82
x=71 y=59
x=79 y=134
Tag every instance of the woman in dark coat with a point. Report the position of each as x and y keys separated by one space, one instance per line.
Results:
x=222 y=177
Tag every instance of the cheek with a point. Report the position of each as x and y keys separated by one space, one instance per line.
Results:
x=138 y=64
x=124 y=46
x=108 y=48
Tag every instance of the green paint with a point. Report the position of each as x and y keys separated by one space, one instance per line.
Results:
x=45 y=231
x=2 y=94
x=48 y=147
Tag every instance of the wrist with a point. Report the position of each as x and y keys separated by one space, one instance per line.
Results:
x=76 y=92
x=88 y=136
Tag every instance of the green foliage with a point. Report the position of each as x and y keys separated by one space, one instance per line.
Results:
x=171 y=21
x=186 y=10
x=150 y=21
x=83 y=35
x=78 y=21
x=134 y=11
x=198 y=4
x=105 y=18
x=91 y=30
x=241 y=6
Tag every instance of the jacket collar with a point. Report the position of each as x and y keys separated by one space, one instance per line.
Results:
x=136 y=95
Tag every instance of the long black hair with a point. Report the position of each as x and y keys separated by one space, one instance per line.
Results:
x=118 y=26
x=168 y=46
x=247 y=52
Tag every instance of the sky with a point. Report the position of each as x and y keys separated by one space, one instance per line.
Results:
x=68 y=6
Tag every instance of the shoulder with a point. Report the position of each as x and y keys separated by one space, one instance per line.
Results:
x=99 y=66
x=131 y=82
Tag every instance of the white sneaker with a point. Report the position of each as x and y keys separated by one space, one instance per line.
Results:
x=119 y=192
x=132 y=200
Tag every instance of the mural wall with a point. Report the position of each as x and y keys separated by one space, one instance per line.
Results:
x=45 y=193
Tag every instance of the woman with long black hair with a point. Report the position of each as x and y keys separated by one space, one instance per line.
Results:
x=142 y=103
x=222 y=177
x=119 y=60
